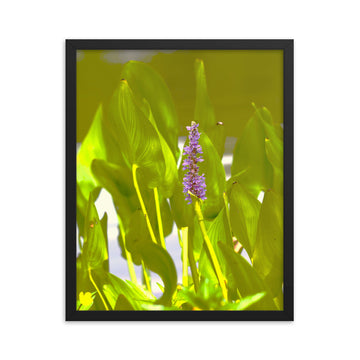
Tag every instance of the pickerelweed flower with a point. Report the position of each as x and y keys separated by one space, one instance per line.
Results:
x=193 y=182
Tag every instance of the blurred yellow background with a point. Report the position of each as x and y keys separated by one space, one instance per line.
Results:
x=235 y=79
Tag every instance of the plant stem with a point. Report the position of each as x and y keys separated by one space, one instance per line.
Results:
x=184 y=231
x=127 y=254
x=158 y=215
x=146 y=277
x=212 y=253
x=98 y=290
x=142 y=205
x=193 y=267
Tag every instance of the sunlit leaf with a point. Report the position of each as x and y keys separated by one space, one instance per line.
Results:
x=247 y=280
x=92 y=147
x=155 y=258
x=268 y=253
x=147 y=83
x=95 y=243
x=244 y=216
x=136 y=137
x=218 y=231
x=250 y=155
x=170 y=176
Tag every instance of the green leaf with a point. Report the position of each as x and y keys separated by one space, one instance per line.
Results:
x=244 y=216
x=170 y=176
x=247 y=301
x=147 y=83
x=204 y=111
x=250 y=155
x=118 y=182
x=115 y=178
x=182 y=212
x=135 y=135
x=122 y=303
x=95 y=241
x=132 y=295
x=247 y=280
x=218 y=231
x=155 y=258
x=158 y=260
x=268 y=253
x=92 y=147
x=214 y=178
x=274 y=148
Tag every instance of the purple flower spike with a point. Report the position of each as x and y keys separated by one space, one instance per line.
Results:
x=193 y=182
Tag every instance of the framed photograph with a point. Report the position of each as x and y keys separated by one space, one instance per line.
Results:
x=179 y=180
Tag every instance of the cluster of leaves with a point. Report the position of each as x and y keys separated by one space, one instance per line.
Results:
x=131 y=150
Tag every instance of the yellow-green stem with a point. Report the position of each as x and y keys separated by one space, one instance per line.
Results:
x=142 y=204
x=98 y=290
x=210 y=248
x=158 y=215
x=184 y=232
x=193 y=268
x=127 y=254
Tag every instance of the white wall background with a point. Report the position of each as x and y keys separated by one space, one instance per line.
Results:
x=327 y=250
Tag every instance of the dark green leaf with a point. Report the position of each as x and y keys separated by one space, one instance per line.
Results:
x=122 y=303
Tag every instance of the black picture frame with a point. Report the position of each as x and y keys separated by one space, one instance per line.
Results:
x=70 y=262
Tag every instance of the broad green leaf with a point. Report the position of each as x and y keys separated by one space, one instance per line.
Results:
x=136 y=137
x=171 y=174
x=250 y=155
x=134 y=295
x=182 y=212
x=273 y=147
x=155 y=258
x=113 y=177
x=166 y=215
x=247 y=301
x=158 y=260
x=137 y=235
x=95 y=241
x=92 y=147
x=268 y=253
x=244 y=216
x=214 y=178
x=218 y=231
x=119 y=184
x=147 y=83
x=246 y=278
x=204 y=111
